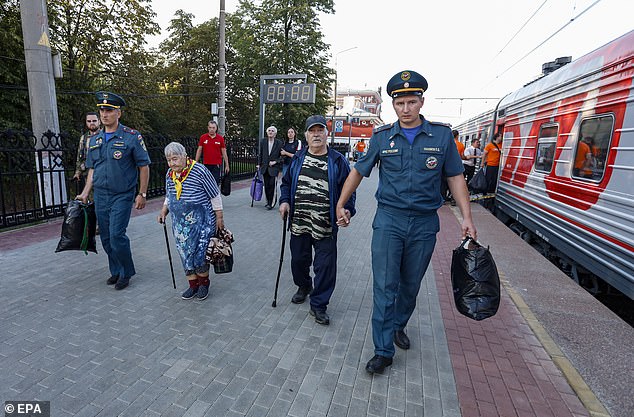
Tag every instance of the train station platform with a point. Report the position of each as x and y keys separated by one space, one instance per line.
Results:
x=68 y=338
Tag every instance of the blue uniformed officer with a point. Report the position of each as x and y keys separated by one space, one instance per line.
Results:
x=414 y=154
x=117 y=159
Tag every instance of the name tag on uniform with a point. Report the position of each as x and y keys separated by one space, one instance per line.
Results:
x=390 y=151
x=432 y=150
x=119 y=145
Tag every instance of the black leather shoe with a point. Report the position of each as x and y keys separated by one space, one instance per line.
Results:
x=122 y=283
x=321 y=317
x=377 y=364
x=401 y=340
x=301 y=294
x=268 y=206
x=112 y=280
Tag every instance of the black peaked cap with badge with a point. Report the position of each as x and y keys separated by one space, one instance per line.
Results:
x=106 y=99
x=406 y=83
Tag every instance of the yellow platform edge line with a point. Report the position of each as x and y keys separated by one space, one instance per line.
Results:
x=576 y=381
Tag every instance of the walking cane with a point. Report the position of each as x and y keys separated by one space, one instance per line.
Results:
x=279 y=270
x=169 y=254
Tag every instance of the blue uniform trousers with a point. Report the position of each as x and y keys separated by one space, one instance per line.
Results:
x=324 y=266
x=402 y=246
x=113 y=215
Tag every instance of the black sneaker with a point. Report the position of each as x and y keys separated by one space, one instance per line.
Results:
x=112 y=280
x=301 y=294
x=377 y=364
x=321 y=317
x=121 y=283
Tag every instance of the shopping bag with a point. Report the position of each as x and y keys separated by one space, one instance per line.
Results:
x=478 y=183
x=219 y=252
x=257 y=184
x=79 y=227
x=225 y=184
x=475 y=280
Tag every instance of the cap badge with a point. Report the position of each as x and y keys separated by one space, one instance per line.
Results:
x=405 y=75
x=105 y=101
x=431 y=162
x=406 y=85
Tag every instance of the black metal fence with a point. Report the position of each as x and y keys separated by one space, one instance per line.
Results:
x=36 y=175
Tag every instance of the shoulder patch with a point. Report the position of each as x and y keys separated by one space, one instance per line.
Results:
x=128 y=130
x=382 y=128
x=440 y=124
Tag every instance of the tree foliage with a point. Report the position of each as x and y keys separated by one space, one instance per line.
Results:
x=13 y=94
x=100 y=42
x=169 y=89
x=279 y=37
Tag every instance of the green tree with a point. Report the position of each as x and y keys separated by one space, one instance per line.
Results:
x=276 y=37
x=99 y=40
x=13 y=85
x=190 y=74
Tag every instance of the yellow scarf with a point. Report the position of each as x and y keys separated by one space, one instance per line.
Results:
x=180 y=178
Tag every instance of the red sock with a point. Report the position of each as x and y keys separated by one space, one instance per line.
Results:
x=203 y=281
x=193 y=283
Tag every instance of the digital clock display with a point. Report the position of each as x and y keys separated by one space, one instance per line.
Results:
x=289 y=93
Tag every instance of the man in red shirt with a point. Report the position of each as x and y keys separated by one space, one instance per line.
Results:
x=213 y=150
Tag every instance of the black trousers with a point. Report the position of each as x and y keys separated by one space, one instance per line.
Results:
x=491 y=175
x=324 y=266
x=469 y=170
x=269 y=188
x=215 y=171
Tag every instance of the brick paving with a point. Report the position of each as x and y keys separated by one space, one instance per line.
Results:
x=67 y=337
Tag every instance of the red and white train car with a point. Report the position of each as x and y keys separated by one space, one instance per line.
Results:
x=567 y=169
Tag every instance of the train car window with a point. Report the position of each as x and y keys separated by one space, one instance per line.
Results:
x=593 y=144
x=546 y=144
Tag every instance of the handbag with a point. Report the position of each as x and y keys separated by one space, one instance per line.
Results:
x=79 y=228
x=225 y=184
x=257 y=185
x=219 y=252
x=475 y=280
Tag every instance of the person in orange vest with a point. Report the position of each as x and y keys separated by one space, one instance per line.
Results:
x=360 y=149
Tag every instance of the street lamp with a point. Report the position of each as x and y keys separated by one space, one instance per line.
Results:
x=334 y=110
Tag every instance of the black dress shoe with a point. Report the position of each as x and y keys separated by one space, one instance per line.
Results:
x=401 y=340
x=377 y=364
x=112 y=280
x=301 y=294
x=321 y=317
x=268 y=206
x=122 y=283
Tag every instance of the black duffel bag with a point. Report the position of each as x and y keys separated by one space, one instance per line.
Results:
x=478 y=183
x=475 y=280
x=79 y=228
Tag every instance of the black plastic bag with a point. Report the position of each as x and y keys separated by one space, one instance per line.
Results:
x=478 y=183
x=225 y=184
x=475 y=280
x=79 y=227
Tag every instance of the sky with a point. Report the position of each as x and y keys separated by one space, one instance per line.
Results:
x=474 y=50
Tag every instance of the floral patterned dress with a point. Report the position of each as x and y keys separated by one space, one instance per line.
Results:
x=189 y=197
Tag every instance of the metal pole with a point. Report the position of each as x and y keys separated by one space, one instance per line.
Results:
x=334 y=111
x=42 y=99
x=222 y=69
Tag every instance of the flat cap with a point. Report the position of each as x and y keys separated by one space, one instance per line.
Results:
x=315 y=119
x=406 y=83
x=106 y=99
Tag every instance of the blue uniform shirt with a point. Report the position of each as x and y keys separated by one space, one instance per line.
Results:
x=115 y=161
x=410 y=175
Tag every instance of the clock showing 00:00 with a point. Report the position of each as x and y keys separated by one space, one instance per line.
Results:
x=289 y=93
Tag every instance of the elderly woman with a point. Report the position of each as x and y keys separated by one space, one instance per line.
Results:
x=193 y=198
